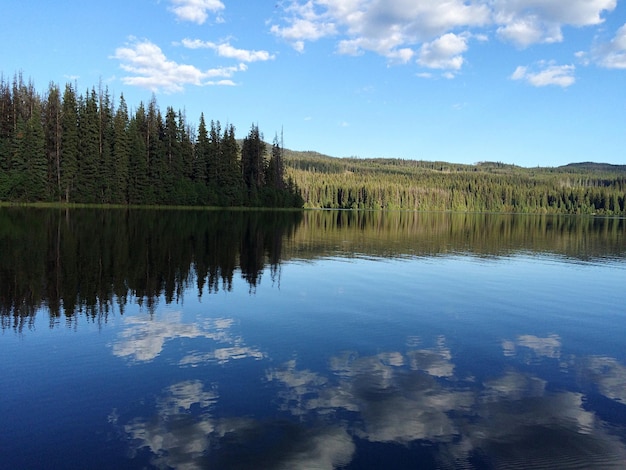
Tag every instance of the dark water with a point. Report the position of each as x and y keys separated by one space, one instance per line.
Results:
x=279 y=340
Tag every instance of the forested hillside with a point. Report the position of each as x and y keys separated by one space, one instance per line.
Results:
x=62 y=146
x=586 y=188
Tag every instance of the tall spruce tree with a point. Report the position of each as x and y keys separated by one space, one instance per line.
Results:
x=253 y=163
x=52 y=131
x=34 y=156
x=105 y=144
x=88 y=176
x=120 y=153
x=139 y=182
x=230 y=181
x=213 y=156
x=173 y=158
x=201 y=152
x=69 y=143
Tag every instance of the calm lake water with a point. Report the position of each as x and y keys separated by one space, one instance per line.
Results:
x=280 y=340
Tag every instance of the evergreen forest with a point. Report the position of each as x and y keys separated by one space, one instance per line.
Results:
x=384 y=183
x=64 y=147
x=61 y=146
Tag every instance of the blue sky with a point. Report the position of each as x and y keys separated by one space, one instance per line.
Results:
x=528 y=82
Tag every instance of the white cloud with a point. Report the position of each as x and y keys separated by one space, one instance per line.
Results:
x=526 y=22
x=195 y=11
x=228 y=51
x=389 y=28
x=612 y=55
x=401 y=30
x=150 y=68
x=548 y=74
x=444 y=52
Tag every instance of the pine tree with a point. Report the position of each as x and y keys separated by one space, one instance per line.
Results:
x=52 y=131
x=155 y=153
x=173 y=158
x=276 y=167
x=138 y=183
x=6 y=124
x=34 y=156
x=253 y=163
x=69 y=143
x=201 y=152
x=213 y=155
x=105 y=144
x=88 y=176
x=229 y=179
x=120 y=153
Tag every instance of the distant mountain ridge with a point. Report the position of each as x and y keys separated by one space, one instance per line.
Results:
x=579 y=166
x=591 y=166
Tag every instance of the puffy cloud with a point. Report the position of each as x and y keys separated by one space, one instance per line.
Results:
x=150 y=68
x=195 y=11
x=444 y=52
x=437 y=32
x=549 y=74
x=228 y=51
x=389 y=28
x=526 y=22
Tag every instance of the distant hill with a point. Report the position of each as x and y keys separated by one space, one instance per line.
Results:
x=393 y=183
x=594 y=167
x=311 y=155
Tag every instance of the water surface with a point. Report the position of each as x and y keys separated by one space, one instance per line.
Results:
x=167 y=339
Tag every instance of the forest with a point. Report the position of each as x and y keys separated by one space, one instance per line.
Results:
x=62 y=146
x=385 y=183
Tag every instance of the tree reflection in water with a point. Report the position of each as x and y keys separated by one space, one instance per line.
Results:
x=92 y=262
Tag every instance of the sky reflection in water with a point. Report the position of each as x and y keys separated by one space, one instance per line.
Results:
x=344 y=351
x=483 y=376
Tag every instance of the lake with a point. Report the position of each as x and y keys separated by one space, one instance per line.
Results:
x=317 y=339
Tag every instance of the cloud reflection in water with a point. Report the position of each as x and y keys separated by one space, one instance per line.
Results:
x=512 y=419
x=144 y=339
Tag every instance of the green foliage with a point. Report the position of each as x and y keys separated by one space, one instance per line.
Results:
x=352 y=183
x=81 y=149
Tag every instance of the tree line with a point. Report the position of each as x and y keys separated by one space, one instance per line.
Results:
x=62 y=146
x=353 y=183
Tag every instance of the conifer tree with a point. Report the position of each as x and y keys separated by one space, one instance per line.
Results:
x=6 y=124
x=120 y=153
x=138 y=164
x=173 y=158
x=229 y=178
x=276 y=167
x=69 y=143
x=105 y=143
x=88 y=176
x=52 y=131
x=201 y=152
x=253 y=163
x=213 y=155
x=34 y=158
